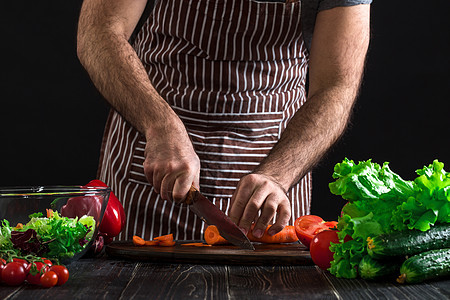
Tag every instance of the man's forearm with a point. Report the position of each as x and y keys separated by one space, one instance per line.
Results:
x=338 y=52
x=311 y=132
x=118 y=74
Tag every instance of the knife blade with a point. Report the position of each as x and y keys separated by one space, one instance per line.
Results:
x=212 y=215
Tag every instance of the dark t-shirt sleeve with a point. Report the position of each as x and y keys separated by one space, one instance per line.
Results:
x=310 y=8
x=328 y=4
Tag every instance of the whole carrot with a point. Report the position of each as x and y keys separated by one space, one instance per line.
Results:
x=287 y=235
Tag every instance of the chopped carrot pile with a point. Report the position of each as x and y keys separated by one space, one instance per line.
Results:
x=164 y=240
x=213 y=237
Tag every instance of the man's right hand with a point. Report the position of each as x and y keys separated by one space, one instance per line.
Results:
x=171 y=164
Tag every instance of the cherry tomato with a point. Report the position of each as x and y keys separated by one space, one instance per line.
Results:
x=61 y=272
x=37 y=269
x=2 y=266
x=49 y=279
x=13 y=273
x=26 y=265
x=48 y=262
x=308 y=226
x=320 y=248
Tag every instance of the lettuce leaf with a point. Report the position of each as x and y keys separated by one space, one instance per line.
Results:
x=5 y=236
x=380 y=201
x=370 y=187
x=349 y=253
x=61 y=237
x=430 y=202
x=64 y=236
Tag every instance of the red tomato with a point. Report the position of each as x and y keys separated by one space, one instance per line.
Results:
x=48 y=262
x=26 y=265
x=61 y=272
x=37 y=269
x=114 y=217
x=13 y=273
x=320 y=248
x=49 y=279
x=308 y=226
x=2 y=266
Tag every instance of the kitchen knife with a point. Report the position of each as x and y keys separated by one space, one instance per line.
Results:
x=212 y=215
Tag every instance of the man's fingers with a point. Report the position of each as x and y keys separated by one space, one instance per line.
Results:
x=166 y=191
x=268 y=212
x=181 y=188
x=239 y=202
x=259 y=199
x=283 y=217
x=251 y=209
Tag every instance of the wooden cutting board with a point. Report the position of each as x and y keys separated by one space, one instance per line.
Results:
x=264 y=254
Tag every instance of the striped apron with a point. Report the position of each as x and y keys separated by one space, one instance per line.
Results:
x=234 y=71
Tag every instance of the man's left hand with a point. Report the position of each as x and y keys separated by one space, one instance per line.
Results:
x=259 y=193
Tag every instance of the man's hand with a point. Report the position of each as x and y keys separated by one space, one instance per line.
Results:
x=259 y=193
x=171 y=164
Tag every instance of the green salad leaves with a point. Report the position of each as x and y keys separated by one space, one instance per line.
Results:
x=53 y=236
x=380 y=201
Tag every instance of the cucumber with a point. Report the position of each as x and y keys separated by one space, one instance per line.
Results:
x=424 y=266
x=409 y=242
x=373 y=269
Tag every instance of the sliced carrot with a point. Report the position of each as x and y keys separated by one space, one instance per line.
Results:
x=213 y=237
x=49 y=212
x=196 y=245
x=166 y=243
x=19 y=226
x=138 y=241
x=152 y=243
x=164 y=240
x=287 y=235
x=167 y=237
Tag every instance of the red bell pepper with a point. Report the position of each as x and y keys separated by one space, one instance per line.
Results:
x=113 y=219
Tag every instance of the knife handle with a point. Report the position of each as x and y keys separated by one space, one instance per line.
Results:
x=190 y=196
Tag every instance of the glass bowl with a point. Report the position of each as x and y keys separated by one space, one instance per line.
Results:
x=59 y=220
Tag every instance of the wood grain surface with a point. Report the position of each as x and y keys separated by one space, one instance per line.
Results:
x=264 y=254
x=105 y=278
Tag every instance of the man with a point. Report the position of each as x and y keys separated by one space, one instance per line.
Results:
x=212 y=94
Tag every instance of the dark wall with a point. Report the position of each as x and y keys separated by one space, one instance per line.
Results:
x=51 y=120
x=52 y=124
x=402 y=115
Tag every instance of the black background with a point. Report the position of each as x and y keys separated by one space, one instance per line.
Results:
x=51 y=117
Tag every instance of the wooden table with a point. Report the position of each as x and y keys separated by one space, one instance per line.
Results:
x=106 y=278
